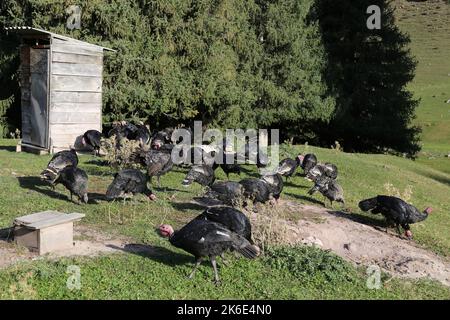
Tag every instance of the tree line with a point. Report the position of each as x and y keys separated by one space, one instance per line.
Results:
x=311 y=68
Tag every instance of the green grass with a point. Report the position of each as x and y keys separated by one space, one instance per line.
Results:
x=429 y=28
x=162 y=273
x=164 y=277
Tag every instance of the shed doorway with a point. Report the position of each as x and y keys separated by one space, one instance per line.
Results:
x=39 y=74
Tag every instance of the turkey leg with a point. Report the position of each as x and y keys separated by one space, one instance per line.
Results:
x=216 y=274
x=197 y=263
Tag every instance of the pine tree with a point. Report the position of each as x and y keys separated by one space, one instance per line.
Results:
x=368 y=71
x=292 y=90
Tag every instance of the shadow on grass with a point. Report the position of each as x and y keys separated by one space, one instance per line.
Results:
x=440 y=179
x=291 y=184
x=359 y=218
x=37 y=185
x=155 y=253
x=168 y=189
x=186 y=206
x=98 y=162
x=96 y=196
x=98 y=171
x=305 y=198
x=250 y=172
x=8 y=148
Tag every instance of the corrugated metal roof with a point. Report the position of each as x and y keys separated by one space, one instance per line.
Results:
x=36 y=31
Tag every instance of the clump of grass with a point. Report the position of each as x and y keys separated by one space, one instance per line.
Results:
x=22 y=288
x=269 y=228
x=391 y=190
x=118 y=152
x=304 y=261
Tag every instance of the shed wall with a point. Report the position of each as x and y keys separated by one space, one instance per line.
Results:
x=76 y=91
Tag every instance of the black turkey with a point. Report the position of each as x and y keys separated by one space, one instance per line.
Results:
x=287 y=167
x=161 y=138
x=231 y=168
x=328 y=170
x=157 y=162
x=92 y=139
x=228 y=192
x=75 y=180
x=58 y=162
x=396 y=211
x=230 y=218
x=123 y=129
x=227 y=161
x=202 y=174
x=256 y=190
x=329 y=188
x=207 y=239
x=307 y=162
x=274 y=184
x=126 y=182
x=142 y=134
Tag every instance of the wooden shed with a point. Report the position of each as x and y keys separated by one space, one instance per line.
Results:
x=61 y=88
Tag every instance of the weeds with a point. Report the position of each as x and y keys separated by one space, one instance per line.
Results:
x=118 y=152
x=269 y=228
x=393 y=191
x=302 y=262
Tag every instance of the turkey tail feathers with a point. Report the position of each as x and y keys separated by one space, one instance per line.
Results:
x=248 y=250
x=368 y=204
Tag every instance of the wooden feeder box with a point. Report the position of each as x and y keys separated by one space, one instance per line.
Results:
x=45 y=232
x=61 y=89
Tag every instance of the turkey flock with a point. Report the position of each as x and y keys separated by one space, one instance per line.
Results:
x=222 y=226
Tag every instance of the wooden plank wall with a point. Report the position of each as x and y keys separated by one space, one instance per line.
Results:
x=76 y=91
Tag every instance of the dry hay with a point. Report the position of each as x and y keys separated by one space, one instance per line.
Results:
x=118 y=153
x=270 y=227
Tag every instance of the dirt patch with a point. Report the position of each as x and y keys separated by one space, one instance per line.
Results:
x=363 y=243
x=87 y=242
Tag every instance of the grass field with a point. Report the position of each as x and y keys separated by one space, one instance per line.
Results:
x=428 y=24
x=162 y=275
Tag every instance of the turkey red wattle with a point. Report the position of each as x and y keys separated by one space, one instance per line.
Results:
x=165 y=230
x=428 y=210
x=152 y=197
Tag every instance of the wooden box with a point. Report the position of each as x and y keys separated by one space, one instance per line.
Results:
x=46 y=231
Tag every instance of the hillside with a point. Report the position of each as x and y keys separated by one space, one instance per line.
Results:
x=428 y=24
